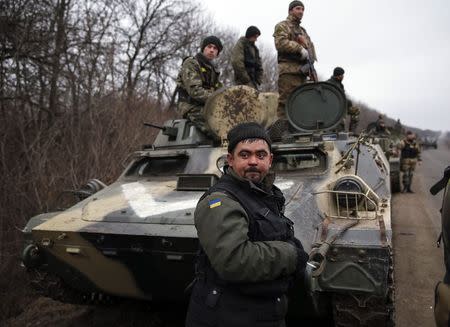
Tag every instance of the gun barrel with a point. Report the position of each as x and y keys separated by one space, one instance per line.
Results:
x=155 y=126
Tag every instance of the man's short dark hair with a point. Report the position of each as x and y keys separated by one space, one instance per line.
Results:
x=252 y=31
x=246 y=131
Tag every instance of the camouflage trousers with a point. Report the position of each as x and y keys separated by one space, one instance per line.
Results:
x=442 y=304
x=193 y=113
x=407 y=167
x=286 y=84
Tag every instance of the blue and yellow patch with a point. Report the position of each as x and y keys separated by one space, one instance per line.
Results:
x=214 y=203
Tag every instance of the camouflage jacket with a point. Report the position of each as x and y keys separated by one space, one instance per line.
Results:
x=289 y=50
x=246 y=63
x=223 y=234
x=197 y=80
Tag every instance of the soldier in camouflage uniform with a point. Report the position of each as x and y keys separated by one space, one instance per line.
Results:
x=248 y=253
x=197 y=80
x=246 y=61
x=409 y=155
x=294 y=47
x=353 y=112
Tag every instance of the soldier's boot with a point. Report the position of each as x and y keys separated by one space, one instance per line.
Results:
x=409 y=184
x=442 y=304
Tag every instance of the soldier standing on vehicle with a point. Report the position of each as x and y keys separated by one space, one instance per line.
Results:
x=246 y=60
x=248 y=254
x=353 y=112
x=442 y=290
x=197 y=80
x=409 y=155
x=294 y=48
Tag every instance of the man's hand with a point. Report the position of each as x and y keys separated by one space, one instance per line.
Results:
x=303 y=41
x=304 y=54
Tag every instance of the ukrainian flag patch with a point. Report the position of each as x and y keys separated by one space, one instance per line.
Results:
x=214 y=203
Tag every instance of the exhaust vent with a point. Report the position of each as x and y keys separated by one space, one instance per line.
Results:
x=196 y=182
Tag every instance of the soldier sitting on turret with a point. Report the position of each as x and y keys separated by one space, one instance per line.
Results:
x=197 y=80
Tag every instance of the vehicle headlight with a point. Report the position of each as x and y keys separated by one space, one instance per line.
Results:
x=349 y=192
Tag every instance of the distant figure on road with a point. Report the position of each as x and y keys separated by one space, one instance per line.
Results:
x=409 y=155
x=336 y=79
x=442 y=290
x=246 y=61
x=197 y=80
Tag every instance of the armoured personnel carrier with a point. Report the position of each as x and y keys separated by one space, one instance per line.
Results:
x=136 y=237
x=388 y=140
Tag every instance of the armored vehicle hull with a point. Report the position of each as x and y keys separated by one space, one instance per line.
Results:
x=136 y=238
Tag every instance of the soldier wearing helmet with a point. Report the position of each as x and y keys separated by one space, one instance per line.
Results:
x=197 y=80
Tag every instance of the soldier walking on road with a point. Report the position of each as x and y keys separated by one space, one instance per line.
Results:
x=409 y=155
x=353 y=112
x=294 y=47
x=248 y=253
x=197 y=80
x=246 y=60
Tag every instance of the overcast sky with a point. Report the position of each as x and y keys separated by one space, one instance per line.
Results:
x=396 y=54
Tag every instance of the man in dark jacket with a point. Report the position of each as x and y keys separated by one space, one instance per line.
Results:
x=246 y=61
x=197 y=80
x=353 y=112
x=248 y=254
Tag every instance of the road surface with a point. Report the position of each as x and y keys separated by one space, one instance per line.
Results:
x=416 y=226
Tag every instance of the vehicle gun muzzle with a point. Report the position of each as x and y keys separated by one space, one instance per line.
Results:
x=166 y=130
x=436 y=188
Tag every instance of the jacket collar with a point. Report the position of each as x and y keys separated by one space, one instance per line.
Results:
x=294 y=20
x=265 y=186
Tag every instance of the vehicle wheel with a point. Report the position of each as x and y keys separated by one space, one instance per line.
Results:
x=395 y=182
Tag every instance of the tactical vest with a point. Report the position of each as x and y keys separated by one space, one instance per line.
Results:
x=210 y=79
x=409 y=151
x=251 y=54
x=266 y=223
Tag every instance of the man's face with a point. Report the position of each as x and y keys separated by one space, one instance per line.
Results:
x=411 y=137
x=340 y=77
x=253 y=38
x=210 y=51
x=251 y=159
x=297 y=12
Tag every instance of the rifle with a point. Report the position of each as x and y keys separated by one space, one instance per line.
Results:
x=308 y=69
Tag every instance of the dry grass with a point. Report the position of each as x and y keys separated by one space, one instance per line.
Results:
x=37 y=163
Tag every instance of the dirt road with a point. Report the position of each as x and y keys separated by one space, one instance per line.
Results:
x=416 y=226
